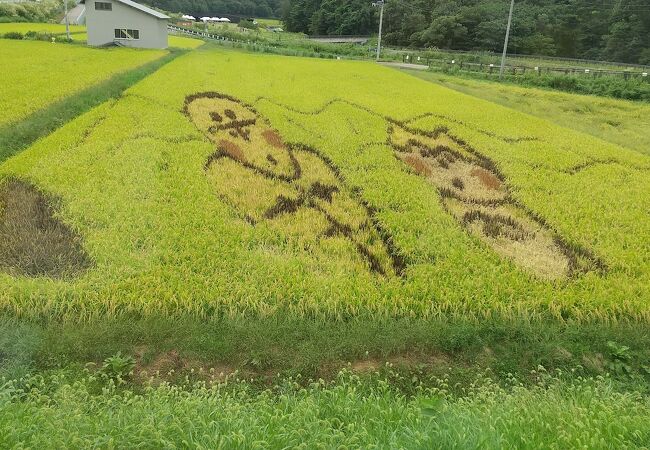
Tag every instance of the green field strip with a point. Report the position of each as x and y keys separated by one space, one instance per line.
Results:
x=315 y=348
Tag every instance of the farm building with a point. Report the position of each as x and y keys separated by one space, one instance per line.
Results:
x=126 y=23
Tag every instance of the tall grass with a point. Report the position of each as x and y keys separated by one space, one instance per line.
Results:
x=635 y=87
x=350 y=412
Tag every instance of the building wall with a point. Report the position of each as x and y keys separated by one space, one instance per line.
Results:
x=101 y=26
x=76 y=16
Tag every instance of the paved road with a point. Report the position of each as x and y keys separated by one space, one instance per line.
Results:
x=405 y=65
x=340 y=39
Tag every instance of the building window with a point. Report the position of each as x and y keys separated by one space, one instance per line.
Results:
x=123 y=33
x=103 y=6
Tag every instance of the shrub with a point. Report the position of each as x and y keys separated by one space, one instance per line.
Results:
x=14 y=35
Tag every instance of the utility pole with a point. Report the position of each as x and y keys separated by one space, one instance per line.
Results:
x=505 y=44
x=67 y=24
x=380 y=3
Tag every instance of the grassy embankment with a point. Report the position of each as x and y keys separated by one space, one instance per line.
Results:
x=350 y=412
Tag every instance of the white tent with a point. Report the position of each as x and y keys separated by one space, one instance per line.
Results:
x=212 y=19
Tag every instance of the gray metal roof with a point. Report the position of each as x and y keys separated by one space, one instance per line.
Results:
x=144 y=9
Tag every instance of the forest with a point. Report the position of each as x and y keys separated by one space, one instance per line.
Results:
x=233 y=8
x=616 y=30
x=613 y=30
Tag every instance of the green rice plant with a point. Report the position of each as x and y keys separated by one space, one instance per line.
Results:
x=132 y=180
x=184 y=42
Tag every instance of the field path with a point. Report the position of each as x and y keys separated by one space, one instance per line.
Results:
x=405 y=65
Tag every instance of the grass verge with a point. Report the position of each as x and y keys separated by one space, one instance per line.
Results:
x=262 y=348
x=634 y=88
x=351 y=412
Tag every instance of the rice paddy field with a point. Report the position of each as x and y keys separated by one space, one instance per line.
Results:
x=193 y=261
x=439 y=203
x=184 y=42
x=26 y=27
x=621 y=122
x=31 y=85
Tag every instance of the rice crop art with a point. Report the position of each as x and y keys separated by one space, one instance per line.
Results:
x=292 y=187
x=476 y=194
x=33 y=242
x=296 y=193
x=224 y=183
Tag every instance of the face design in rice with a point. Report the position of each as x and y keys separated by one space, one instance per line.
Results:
x=476 y=194
x=290 y=188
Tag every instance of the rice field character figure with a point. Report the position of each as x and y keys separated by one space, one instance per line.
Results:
x=291 y=188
